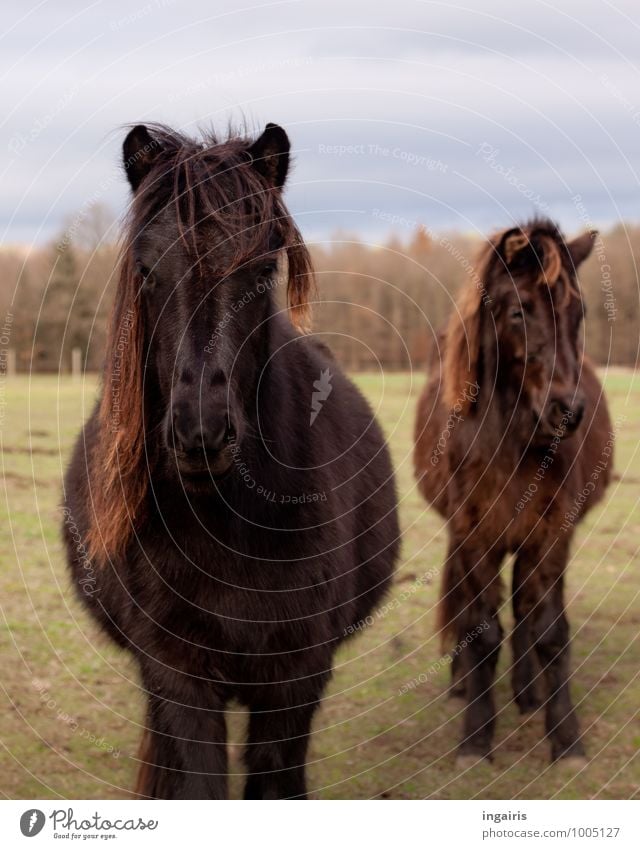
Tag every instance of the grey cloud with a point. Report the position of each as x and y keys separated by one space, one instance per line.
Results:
x=559 y=103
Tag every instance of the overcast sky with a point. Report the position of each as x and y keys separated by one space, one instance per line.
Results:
x=456 y=115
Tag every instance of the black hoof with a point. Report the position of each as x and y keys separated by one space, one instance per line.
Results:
x=458 y=692
x=527 y=702
x=467 y=760
x=572 y=753
x=468 y=756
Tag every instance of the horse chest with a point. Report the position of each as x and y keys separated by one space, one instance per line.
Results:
x=235 y=630
x=533 y=503
x=211 y=595
x=514 y=506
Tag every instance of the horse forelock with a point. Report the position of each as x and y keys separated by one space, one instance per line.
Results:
x=202 y=183
x=552 y=264
x=211 y=187
x=552 y=270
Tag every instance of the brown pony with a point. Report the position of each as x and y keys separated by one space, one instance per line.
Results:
x=513 y=446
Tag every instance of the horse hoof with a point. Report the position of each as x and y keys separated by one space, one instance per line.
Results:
x=573 y=763
x=457 y=697
x=469 y=760
x=527 y=704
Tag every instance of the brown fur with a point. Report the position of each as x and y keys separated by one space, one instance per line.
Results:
x=463 y=331
x=489 y=453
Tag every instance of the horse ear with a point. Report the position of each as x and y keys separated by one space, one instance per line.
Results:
x=139 y=151
x=580 y=248
x=515 y=249
x=270 y=155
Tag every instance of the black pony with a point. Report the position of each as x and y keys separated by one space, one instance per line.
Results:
x=233 y=491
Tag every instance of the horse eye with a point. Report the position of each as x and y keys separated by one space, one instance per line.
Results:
x=144 y=272
x=267 y=270
x=516 y=315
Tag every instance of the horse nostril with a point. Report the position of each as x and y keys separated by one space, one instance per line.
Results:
x=558 y=410
x=567 y=413
x=176 y=432
x=576 y=415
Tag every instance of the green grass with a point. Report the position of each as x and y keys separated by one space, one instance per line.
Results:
x=71 y=709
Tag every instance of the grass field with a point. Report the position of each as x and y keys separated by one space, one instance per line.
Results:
x=71 y=711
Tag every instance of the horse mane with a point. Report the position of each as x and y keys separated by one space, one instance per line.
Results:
x=537 y=247
x=201 y=180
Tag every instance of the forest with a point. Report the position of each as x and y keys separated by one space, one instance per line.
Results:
x=377 y=305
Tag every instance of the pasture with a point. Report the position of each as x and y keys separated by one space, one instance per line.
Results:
x=71 y=708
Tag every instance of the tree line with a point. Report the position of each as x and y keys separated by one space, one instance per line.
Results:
x=377 y=305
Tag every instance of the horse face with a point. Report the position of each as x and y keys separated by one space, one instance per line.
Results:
x=538 y=329
x=206 y=295
x=541 y=346
x=204 y=329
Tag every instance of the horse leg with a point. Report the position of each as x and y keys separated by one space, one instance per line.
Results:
x=483 y=649
x=479 y=633
x=276 y=752
x=550 y=630
x=458 y=687
x=155 y=756
x=184 y=747
x=523 y=671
